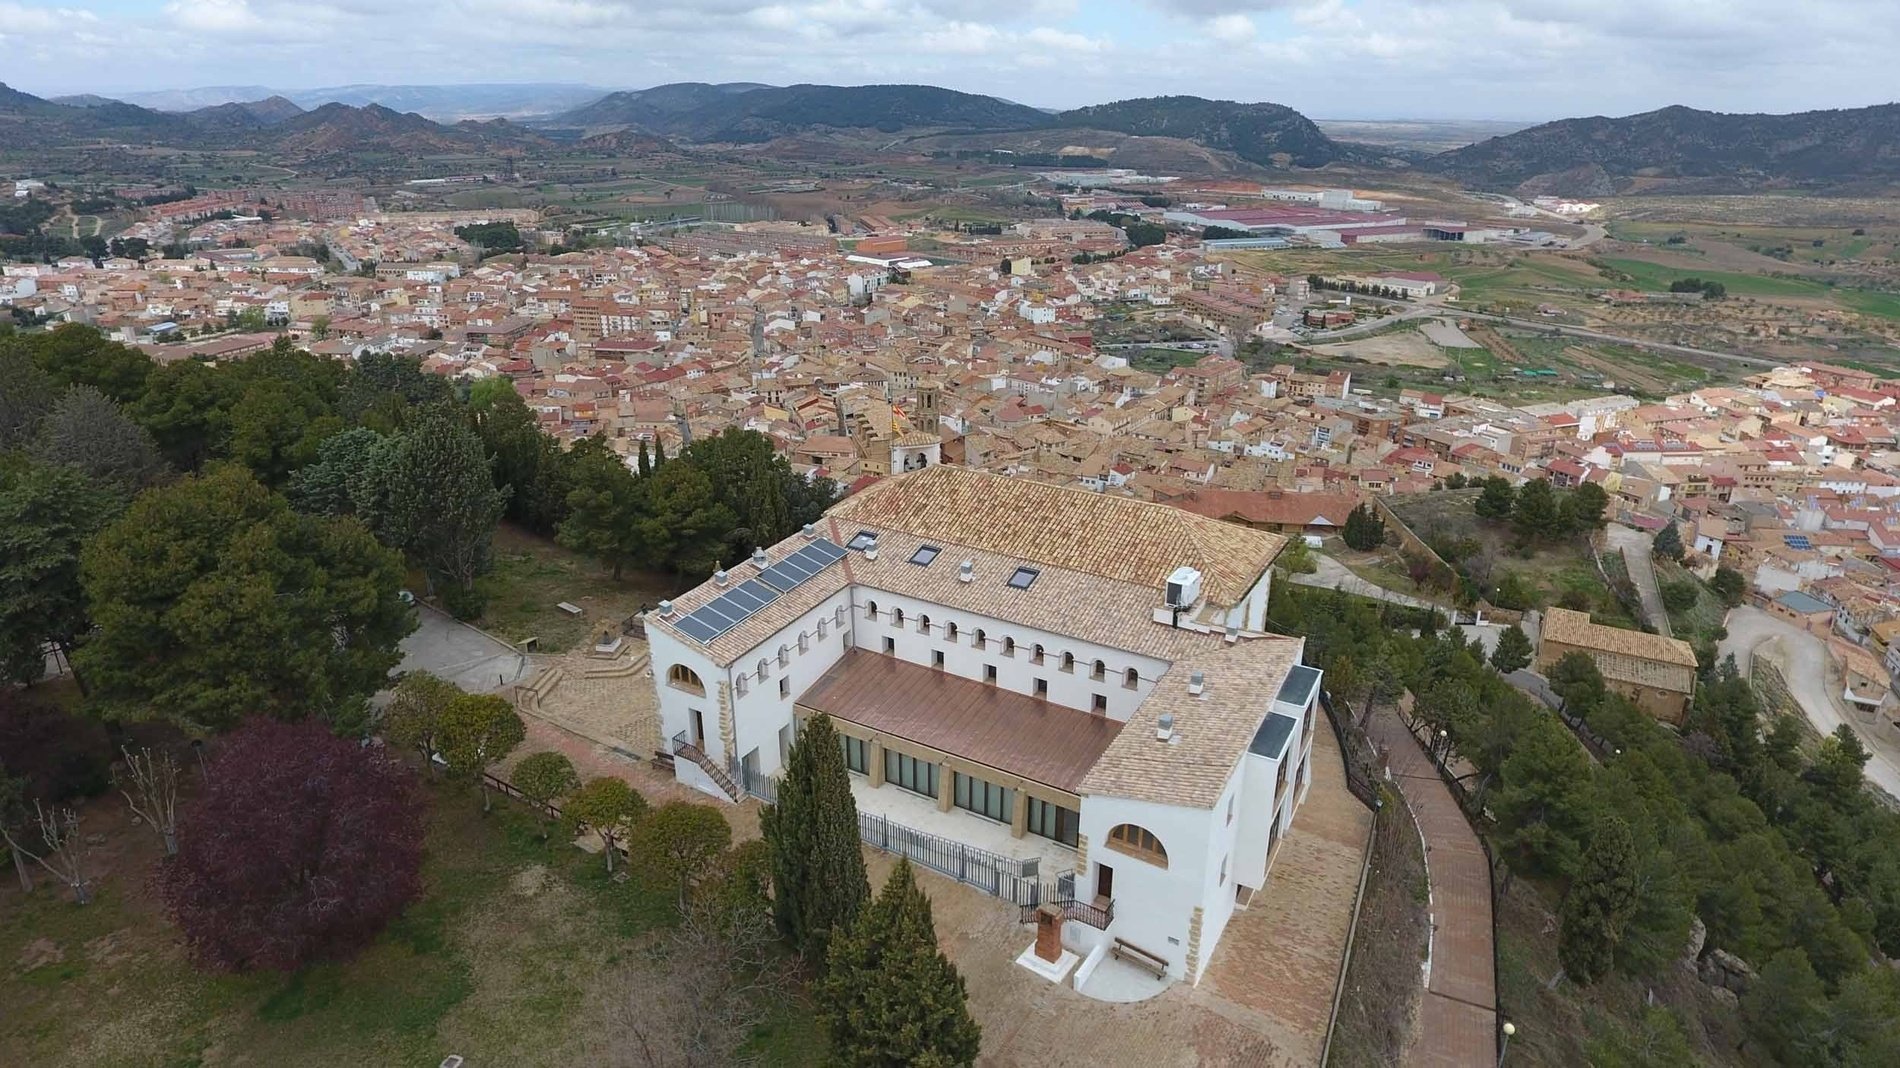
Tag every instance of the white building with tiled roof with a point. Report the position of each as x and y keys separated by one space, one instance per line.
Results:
x=1052 y=694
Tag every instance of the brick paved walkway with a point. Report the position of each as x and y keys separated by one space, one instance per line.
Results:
x=1278 y=962
x=1457 y=1025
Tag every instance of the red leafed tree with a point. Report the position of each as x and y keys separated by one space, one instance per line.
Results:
x=302 y=846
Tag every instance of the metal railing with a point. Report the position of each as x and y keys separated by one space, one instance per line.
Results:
x=1061 y=894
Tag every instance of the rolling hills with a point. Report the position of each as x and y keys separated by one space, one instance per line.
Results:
x=740 y=113
x=1597 y=156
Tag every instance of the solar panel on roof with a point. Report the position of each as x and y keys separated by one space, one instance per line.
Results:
x=1797 y=541
x=738 y=604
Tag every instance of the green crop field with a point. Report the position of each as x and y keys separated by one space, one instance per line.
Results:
x=1655 y=277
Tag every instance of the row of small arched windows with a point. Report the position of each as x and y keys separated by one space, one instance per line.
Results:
x=980 y=639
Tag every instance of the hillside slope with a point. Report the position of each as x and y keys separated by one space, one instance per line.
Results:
x=1266 y=134
x=1806 y=148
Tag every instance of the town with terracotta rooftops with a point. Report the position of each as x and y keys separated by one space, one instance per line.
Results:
x=879 y=574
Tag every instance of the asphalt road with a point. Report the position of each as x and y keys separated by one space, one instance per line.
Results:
x=1804 y=663
x=461 y=654
x=1635 y=547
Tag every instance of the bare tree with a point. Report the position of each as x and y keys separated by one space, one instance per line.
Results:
x=66 y=851
x=692 y=999
x=152 y=792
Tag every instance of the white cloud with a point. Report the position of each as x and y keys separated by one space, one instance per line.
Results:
x=1480 y=58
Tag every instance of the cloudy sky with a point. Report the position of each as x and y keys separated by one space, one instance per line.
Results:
x=1506 y=59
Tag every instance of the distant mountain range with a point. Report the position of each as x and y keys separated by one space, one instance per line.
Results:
x=1598 y=156
x=273 y=123
x=444 y=103
x=1676 y=148
x=743 y=113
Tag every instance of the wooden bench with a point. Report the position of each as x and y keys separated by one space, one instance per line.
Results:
x=1140 y=958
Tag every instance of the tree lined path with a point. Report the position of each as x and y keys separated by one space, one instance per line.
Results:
x=1457 y=1018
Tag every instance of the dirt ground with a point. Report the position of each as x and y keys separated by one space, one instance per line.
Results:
x=1407 y=349
x=1622 y=373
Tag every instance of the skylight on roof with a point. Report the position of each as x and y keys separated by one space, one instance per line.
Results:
x=1023 y=577
x=925 y=555
x=861 y=541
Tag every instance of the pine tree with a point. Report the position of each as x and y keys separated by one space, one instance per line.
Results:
x=1536 y=516
x=889 y=995
x=818 y=880
x=1600 y=902
x=1513 y=651
x=1668 y=543
x=1365 y=531
x=444 y=504
x=1497 y=499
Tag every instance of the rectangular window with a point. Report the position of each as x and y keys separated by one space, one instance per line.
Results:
x=1023 y=577
x=1042 y=687
x=925 y=555
x=862 y=540
x=856 y=754
x=784 y=687
x=936 y=659
x=1101 y=704
x=989 y=674
x=1052 y=821
x=890 y=647
x=984 y=798
x=917 y=776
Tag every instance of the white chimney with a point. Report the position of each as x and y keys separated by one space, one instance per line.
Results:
x=870 y=548
x=758 y=557
x=1196 y=683
x=1164 y=727
x=1233 y=634
x=720 y=577
x=666 y=608
x=810 y=532
x=966 y=572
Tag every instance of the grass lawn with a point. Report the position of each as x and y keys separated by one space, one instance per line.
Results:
x=1704 y=617
x=1869 y=302
x=1654 y=277
x=506 y=960
x=532 y=575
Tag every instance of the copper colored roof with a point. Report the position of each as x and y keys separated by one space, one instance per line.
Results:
x=1008 y=731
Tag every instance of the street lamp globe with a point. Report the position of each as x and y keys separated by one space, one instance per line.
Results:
x=1509 y=1029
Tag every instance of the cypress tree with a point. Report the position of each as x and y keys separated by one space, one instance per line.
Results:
x=1600 y=902
x=1513 y=650
x=818 y=880
x=890 y=997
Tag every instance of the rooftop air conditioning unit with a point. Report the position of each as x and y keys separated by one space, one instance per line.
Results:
x=1184 y=588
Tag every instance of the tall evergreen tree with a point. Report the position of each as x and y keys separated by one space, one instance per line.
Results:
x=85 y=430
x=818 y=880
x=47 y=513
x=1668 y=542
x=444 y=505
x=1497 y=499
x=1364 y=531
x=1513 y=650
x=1536 y=516
x=889 y=996
x=1601 y=900
x=606 y=507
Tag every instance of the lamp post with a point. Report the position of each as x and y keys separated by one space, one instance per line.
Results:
x=1444 y=746
x=1505 y=1046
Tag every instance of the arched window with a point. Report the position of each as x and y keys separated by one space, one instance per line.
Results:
x=784 y=656
x=821 y=631
x=1035 y=653
x=1068 y=662
x=681 y=677
x=1099 y=671
x=739 y=684
x=838 y=616
x=982 y=639
x=870 y=610
x=1009 y=646
x=923 y=624
x=1131 y=678
x=804 y=640
x=762 y=671
x=897 y=617
x=950 y=631
x=1137 y=842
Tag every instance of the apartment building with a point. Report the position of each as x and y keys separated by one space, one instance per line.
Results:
x=1076 y=682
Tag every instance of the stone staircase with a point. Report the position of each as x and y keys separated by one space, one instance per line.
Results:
x=619 y=669
x=530 y=696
